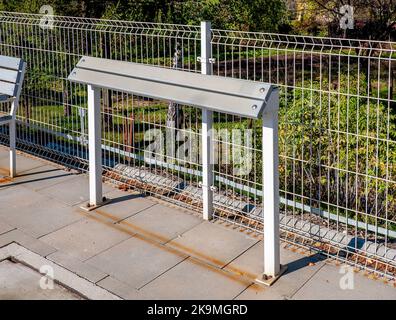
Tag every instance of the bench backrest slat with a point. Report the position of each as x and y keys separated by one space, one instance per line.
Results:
x=8 y=75
x=11 y=75
x=7 y=88
x=10 y=62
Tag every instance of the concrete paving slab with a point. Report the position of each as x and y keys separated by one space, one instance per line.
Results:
x=72 y=191
x=18 y=282
x=59 y=274
x=213 y=243
x=39 y=178
x=40 y=217
x=300 y=269
x=193 y=280
x=5 y=227
x=85 y=238
x=23 y=164
x=163 y=222
x=136 y=261
x=325 y=284
x=125 y=204
x=251 y=262
x=157 y=274
x=119 y=288
x=4 y=151
x=13 y=198
x=75 y=265
x=26 y=241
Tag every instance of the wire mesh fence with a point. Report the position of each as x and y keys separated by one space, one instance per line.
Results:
x=337 y=137
x=337 y=140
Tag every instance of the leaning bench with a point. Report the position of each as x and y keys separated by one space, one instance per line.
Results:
x=12 y=72
x=238 y=97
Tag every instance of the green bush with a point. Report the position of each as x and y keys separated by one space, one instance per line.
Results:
x=339 y=149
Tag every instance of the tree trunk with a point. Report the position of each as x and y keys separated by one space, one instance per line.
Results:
x=66 y=107
x=129 y=141
x=107 y=96
x=108 y=109
x=391 y=80
x=174 y=118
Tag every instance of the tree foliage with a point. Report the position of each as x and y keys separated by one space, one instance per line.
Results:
x=374 y=19
x=248 y=15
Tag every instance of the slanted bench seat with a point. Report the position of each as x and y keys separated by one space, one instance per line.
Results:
x=12 y=72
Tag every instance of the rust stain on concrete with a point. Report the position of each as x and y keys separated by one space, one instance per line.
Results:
x=5 y=179
x=5 y=172
x=163 y=243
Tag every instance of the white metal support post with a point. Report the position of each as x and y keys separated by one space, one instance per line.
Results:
x=207 y=121
x=95 y=147
x=12 y=129
x=272 y=267
x=12 y=124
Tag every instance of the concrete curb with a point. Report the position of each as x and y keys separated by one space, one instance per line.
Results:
x=64 y=277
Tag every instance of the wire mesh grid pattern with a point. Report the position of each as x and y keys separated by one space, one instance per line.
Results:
x=337 y=141
x=336 y=132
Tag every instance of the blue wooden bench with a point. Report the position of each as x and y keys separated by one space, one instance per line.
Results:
x=12 y=72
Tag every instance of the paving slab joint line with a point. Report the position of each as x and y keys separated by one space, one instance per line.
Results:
x=162 y=273
x=101 y=279
x=133 y=214
x=305 y=282
x=247 y=288
x=168 y=245
x=78 y=266
x=234 y=275
x=181 y=235
x=243 y=252
x=60 y=228
x=5 y=232
x=104 y=250
x=62 y=276
x=246 y=280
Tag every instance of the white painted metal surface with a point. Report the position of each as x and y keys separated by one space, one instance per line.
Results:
x=207 y=124
x=95 y=149
x=230 y=96
x=10 y=62
x=8 y=75
x=7 y=88
x=271 y=187
x=176 y=78
x=207 y=163
x=233 y=96
x=12 y=73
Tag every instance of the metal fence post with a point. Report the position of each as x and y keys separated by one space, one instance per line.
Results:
x=271 y=188
x=207 y=121
x=95 y=146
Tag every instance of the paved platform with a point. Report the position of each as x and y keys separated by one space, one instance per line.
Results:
x=138 y=247
x=20 y=282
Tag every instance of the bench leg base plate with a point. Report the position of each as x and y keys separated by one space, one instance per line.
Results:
x=88 y=208
x=269 y=281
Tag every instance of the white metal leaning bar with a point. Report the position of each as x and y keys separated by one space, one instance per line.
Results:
x=210 y=93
